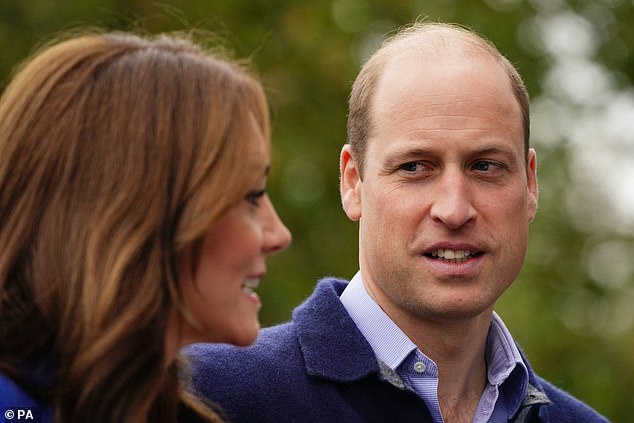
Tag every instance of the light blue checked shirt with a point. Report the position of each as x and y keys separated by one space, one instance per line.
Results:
x=507 y=374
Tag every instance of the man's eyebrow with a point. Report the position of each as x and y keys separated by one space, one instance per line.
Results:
x=494 y=150
x=412 y=153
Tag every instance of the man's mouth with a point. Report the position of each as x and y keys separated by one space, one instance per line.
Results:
x=452 y=256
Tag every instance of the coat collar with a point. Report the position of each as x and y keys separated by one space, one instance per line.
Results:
x=335 y=349
x=332 y=345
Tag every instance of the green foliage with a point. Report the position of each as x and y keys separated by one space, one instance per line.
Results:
x=571 y=312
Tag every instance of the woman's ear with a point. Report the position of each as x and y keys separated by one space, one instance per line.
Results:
x=350 y=184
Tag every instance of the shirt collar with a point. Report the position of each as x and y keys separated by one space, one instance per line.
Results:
x=392 y=346
x=389 y=342
x=502 y=353
x=505 y=367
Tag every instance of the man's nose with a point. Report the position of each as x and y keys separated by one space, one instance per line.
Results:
x=453 y=199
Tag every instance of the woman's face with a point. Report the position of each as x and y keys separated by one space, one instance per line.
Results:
x=220 y=292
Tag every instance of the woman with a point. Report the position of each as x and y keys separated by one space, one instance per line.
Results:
x=133 y=220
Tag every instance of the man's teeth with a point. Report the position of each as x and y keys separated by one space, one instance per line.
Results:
x=250 y=284
x=456 y=256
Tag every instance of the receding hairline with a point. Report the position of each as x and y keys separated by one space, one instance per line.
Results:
x=433 y=45
x=434 y=39
x=428 y=39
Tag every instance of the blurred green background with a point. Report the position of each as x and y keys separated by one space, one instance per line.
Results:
x=572 y=308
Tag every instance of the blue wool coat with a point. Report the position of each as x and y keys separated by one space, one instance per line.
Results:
x=320 y=368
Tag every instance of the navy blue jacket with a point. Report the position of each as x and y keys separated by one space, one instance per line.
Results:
x=320 y=368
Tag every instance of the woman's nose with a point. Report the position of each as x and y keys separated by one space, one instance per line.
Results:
x=276 y=235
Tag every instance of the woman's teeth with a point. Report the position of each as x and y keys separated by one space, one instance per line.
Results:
x=250 y=284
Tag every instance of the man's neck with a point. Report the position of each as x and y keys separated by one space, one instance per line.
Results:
x=457 y=345
x=458 y=349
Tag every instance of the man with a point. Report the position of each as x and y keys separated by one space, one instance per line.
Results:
x=440 y=177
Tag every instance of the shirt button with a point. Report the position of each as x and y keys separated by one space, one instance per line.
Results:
x=420 y=367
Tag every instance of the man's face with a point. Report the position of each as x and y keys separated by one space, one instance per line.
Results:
x=447 y=193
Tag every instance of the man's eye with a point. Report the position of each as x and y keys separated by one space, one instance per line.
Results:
x=482 y=165
x=411 y=166
x=254 y=196
x=488 y=166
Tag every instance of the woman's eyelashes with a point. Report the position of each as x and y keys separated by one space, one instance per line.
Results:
x=253 y=197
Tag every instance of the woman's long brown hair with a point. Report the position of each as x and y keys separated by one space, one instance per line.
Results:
x=116 y=152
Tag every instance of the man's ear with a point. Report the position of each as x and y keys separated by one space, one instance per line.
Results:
x=350 y=184
x=533 y=188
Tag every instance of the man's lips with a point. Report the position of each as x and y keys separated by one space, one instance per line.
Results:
x=453 y=253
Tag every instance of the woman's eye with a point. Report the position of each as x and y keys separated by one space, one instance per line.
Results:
x=254 y=196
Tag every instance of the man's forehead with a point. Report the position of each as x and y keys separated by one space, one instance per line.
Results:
x=421 y=100
x=408 y=79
